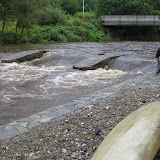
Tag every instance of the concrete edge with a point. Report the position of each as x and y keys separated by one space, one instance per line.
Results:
x=23 y=57
x=96 y=62
x=55 y=113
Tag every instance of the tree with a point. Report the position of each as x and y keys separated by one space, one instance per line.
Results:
x=70 y=6
x=123 y=7
x=51 y=16
x=5 y=12
x=156 y=4
x=55 y=3
x=26 y=13
x=88 y=5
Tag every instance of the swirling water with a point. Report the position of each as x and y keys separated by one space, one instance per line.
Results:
x=49 y=81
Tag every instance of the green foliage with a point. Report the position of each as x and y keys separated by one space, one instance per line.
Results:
x=90 y=14
x=84 y=31
x=55 y=3
x=52 y=16
x=56 y=34
x=95 y=32
x=76 y=22
x=8 y=38
x=89 y=26
x=29 y=19
x=24 y=13
x=88 y=5
x=123 y=7
x=156 y=12
x=5 y=12
x=156 y=4
x=70 y=6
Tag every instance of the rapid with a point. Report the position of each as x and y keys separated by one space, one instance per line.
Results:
x=36 y=85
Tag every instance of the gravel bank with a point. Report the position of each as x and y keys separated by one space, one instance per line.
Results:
x=78 y=135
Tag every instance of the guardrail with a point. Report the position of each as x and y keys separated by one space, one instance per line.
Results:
x=130 y=20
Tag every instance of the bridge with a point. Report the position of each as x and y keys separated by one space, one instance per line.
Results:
x=130 y=20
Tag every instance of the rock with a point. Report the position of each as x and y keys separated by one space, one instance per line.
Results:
x=144 y=101
x=64 y=150
x=78 y=135
x=3 y=146
x=97 y=132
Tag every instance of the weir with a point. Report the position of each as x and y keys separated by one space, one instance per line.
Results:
x=98 y=61
x=22 y=57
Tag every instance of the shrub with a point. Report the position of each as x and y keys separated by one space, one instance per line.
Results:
x=52 y=16
x=8 y=38
x=82 y=32
x=92 y=37
x=86 y=15
x=74 y=31
x=76 y=22
x=55 y=35
x=61 y=38
x=89 y=26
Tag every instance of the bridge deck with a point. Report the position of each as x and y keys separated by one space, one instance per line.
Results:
x=130 y=20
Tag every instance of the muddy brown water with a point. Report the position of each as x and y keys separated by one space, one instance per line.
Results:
x=30 y=87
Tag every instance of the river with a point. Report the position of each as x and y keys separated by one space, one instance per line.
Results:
x=34 y=86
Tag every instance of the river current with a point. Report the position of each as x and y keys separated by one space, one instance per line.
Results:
x=33 y=86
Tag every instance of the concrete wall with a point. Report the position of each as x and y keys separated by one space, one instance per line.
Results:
x=130 y=20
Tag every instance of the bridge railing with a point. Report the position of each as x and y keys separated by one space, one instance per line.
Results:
x=130 y=20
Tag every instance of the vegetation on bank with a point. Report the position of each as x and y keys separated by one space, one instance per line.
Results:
x=35 y=21
x=74 y=30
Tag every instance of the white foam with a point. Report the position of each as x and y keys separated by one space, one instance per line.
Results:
x=22 y=72
x=57 y=79
x=81 y=78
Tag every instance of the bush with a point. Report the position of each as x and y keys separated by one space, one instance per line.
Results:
x=86 y=15
x=52 y=17
x=61 y=38
x=8 y=38
x=84 y=31
x=76 y=22
x=92 y=37
x=74 y=31
x=89 y=26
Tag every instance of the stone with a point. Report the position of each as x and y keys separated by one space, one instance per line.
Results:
x=64 y=150
x=24 y=124
x=21 y=129
x=22 y=57
x=96 y=62
x=97 y=132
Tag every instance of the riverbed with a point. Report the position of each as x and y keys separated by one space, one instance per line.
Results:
x=34 y=86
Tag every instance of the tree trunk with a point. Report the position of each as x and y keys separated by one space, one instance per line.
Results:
x=22 y=33
x=16 y=30
x=4 y=22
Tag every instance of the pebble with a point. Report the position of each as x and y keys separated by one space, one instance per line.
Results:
x=79 y=135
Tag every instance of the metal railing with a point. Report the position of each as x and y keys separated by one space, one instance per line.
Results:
x=130 y=20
